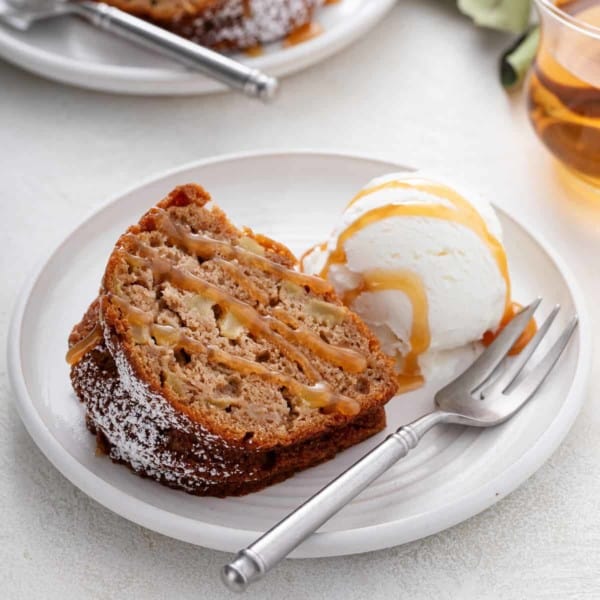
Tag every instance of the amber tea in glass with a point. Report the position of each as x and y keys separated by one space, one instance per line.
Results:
x=564 y=86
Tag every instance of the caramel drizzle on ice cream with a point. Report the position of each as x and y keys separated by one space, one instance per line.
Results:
x=460 y=211
x=410 y=284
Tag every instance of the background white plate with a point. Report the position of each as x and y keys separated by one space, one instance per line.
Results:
x=71 y=51
x=294 y=197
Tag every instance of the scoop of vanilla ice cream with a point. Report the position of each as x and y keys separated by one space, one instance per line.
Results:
x=453 y=281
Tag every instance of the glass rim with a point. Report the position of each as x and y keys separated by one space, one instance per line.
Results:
x=548 y=6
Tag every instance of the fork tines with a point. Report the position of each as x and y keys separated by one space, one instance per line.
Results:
x=486 y=377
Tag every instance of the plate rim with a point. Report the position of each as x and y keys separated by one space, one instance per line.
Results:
x=336 y=543
x=133 y=80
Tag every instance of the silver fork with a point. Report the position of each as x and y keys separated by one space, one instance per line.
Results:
x=22 y=14
x=486 y=394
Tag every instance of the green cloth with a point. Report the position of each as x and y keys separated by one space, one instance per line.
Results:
x=505 y=15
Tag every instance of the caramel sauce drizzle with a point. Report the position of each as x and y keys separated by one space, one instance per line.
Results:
x=285 y=317
x=297 y=36
x=135 y=316
x=305 y=32
x=342 y=357
x=347 y=359
x=242 y=280
x=294 y=332
x=318 y=395
x=163 y=270
x=411 y=285
x=269 y=327
x=460 y=212
x=254 y=51
x=322 y=247
x=207 y=248
x=287 y=337
x=83 y=346
x=286 y=334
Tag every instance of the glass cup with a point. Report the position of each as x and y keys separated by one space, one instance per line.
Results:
x=564 y=86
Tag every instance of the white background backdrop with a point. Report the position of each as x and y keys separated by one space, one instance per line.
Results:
x=421 y=89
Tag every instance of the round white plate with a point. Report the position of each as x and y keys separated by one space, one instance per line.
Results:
x=294 y=197
x=71 y=51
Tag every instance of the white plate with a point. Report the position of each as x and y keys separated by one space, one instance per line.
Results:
x=295 y=197
x=70 y=51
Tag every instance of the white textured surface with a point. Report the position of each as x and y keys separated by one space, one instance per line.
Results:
x=64 y=151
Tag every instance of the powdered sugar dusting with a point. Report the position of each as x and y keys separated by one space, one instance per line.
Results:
x=137 y=423
x=246 y=23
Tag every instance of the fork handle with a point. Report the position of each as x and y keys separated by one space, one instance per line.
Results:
x=253 y=562
x=233 y=74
